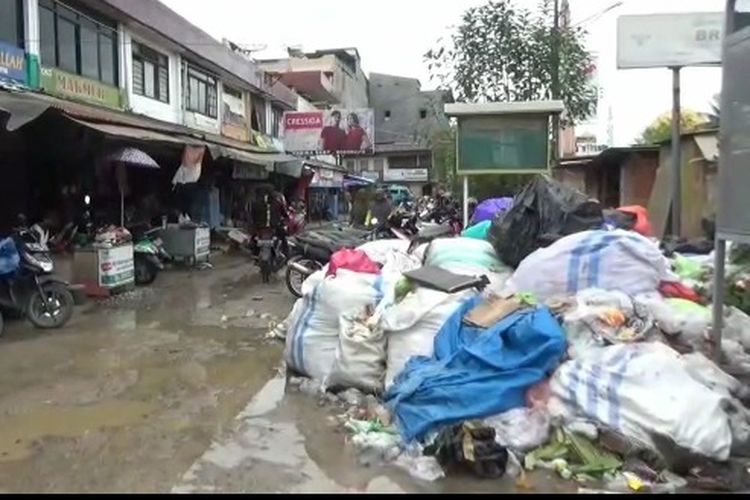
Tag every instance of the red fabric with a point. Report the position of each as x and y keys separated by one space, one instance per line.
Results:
x=333 y=138
x=353 y=260
x=354 y=139
x=642 y=224
x=679 y=291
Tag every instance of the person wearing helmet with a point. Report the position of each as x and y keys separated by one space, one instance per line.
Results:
x=380 y=207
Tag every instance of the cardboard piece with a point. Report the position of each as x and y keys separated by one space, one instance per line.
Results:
x=491 y=311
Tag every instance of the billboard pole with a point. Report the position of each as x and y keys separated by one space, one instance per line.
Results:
x=466 y=201
x=676 y=157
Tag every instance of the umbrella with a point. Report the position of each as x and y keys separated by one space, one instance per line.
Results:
x=133 y=157
x=129 y=157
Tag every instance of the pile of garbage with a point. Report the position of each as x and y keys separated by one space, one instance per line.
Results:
x=585 y=351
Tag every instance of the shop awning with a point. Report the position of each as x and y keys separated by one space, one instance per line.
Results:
x=324 y=165
x=355 y=180
x=18 y=109
x=140 y=134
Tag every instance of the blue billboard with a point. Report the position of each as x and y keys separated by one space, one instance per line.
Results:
x=12 y=63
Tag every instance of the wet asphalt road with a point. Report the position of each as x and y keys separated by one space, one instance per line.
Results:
x=173 y=387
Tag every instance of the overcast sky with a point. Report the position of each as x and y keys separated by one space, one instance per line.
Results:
x=392 y=36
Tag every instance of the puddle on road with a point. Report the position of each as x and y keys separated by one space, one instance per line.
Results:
x=78 y=424
x=19 y=433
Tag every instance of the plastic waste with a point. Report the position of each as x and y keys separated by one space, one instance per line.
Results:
x=520 y=429
x=418 y=466
x=490 y=208
x=645 y=389
x=411 y=325
x=313 y=334
x=542 y=212
x=469 y=364
x=478 y=231
x=353 y=260
x=478 y=253
x=360 y=357
x=610 y=260
x=642 y=224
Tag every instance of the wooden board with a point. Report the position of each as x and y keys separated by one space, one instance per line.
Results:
x=661 y=200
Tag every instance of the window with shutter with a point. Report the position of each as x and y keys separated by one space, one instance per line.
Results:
x=137 y=76
x=150 y=73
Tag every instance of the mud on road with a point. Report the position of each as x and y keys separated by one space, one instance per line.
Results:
x=132 y=390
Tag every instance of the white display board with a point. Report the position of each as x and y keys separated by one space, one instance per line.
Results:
x=669 y=40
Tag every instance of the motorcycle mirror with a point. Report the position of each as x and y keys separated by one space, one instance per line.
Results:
x=87 y=200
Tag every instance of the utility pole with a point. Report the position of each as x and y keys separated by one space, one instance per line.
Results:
x=555 y=79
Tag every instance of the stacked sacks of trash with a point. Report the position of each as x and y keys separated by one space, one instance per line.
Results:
x=586 y=354
x=358 y=328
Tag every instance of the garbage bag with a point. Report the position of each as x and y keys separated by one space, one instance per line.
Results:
x=490 y=208
x=475 y=373
x=312 y=336
x=543 y=211
x=353 y=260
x=521 y=429
x=445 y=251
x=478 y=231
x=642 y=224
x=601 y=317
x=411 y=325
x=360 y=357
x=610 y=260
x=676 y=316
x=645 y=390
x=10 y=260
x=472 y=446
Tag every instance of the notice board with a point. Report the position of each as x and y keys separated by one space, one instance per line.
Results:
x=503 y=144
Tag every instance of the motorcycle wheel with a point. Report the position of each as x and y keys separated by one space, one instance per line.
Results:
x=145 y=272
x=294 y=278
x=58 y=298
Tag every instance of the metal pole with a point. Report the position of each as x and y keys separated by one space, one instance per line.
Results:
x=466 y=201
x=676 y=160
x=718 y=296
x=555 y=77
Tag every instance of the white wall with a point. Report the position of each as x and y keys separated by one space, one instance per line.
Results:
x=170 y=112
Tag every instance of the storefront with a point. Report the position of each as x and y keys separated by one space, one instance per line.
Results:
x=325 y=196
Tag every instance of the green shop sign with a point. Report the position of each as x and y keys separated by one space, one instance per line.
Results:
x=71 y=86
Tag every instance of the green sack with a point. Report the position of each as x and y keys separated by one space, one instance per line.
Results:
x=478 y=231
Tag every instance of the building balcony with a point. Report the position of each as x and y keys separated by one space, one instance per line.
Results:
x=315 y=86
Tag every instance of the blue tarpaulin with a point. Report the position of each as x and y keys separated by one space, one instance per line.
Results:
x=474 y=372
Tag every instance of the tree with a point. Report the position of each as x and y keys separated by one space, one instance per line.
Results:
x=660 y=129
x=501 y=52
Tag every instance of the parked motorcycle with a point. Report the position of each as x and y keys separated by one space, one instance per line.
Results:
x=149 y=255
x=269 y=249
x=32 y=290
x=312 y=250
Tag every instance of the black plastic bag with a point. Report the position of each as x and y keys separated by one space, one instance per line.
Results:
x=543 y=212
